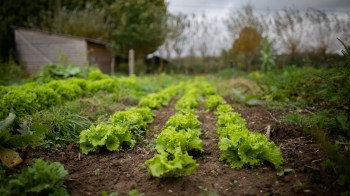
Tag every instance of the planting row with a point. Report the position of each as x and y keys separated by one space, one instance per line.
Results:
x=125 y=127
x=31 y=97
x=180 y=136
x=35 y=96
x=240 y=147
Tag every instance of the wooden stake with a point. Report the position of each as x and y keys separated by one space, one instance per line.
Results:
x=131 y=62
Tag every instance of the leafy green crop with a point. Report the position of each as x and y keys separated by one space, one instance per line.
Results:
x=109 y=84
x=214 y=101
x=223 y=108
x=180 y=135
x=169 y=140
x=162 y=98
x=31 y=97
x=39 y=179
x=125 y=127
x=135 y=119
x=122 y=129
x=171 y=165
x=190 y=99
x=111 y=136
x=240 y=147
x=181 y=121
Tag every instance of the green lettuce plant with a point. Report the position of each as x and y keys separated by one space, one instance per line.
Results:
x=240 y=147
x=213 y=101
x=169 y=140
x=41 y=178
x=180 y=135
x=111 y=136
x=122 y=129
x=160 y=99
x=180 y=121
x=171 y=165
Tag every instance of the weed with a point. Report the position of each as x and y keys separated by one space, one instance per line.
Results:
x=285 y=172
x=346 y=51
x=135 y=192
x=214 y=173
x=11 y=73
x=96 y=172
x=325 y=119
x=104 y=193
x=204 y=191
x=59 y=125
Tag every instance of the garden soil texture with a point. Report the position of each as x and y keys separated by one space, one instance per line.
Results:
x=122 y=171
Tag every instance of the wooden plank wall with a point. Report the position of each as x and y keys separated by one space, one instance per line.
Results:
x=99 y=55
x=37 y=48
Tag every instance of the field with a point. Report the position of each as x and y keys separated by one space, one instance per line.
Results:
x=230 y=133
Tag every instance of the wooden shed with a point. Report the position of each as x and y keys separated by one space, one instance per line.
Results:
x=38 y=48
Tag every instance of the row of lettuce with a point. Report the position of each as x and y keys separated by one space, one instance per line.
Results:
x=240 y=147
x=179 y=137
x=31 y=97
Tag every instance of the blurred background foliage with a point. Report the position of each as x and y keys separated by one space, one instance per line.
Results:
x=249 y=39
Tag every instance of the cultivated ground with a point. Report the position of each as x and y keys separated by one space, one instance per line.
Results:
x=301 y=174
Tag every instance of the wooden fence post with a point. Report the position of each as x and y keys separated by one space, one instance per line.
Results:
x=131 y=62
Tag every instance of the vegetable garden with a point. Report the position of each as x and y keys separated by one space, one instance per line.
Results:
x=160 y=135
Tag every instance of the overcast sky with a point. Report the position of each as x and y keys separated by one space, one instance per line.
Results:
x=220 y=8
x=217 y=10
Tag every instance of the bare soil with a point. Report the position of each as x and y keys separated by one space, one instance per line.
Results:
x=124 y=170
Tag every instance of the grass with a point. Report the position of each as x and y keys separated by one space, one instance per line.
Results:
x=63 y=123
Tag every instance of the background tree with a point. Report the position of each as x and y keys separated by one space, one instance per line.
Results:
x=247 y=30
x=246 y=17
x=90 y=22
x=175 y=38
x=290 y=28
x=138 y=25
x=247 y=46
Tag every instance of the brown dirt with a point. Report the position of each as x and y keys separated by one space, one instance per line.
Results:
x=124 y=170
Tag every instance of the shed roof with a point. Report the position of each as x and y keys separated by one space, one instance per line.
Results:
x=94 y=41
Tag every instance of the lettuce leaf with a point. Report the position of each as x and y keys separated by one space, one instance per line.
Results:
x=171 y=165
x=135 y=119
x=214 y=101
x=111 y=136
x=181 y=121
x=171 y=140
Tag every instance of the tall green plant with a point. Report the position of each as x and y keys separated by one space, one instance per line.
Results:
x=267 y=57
x=345 y=51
